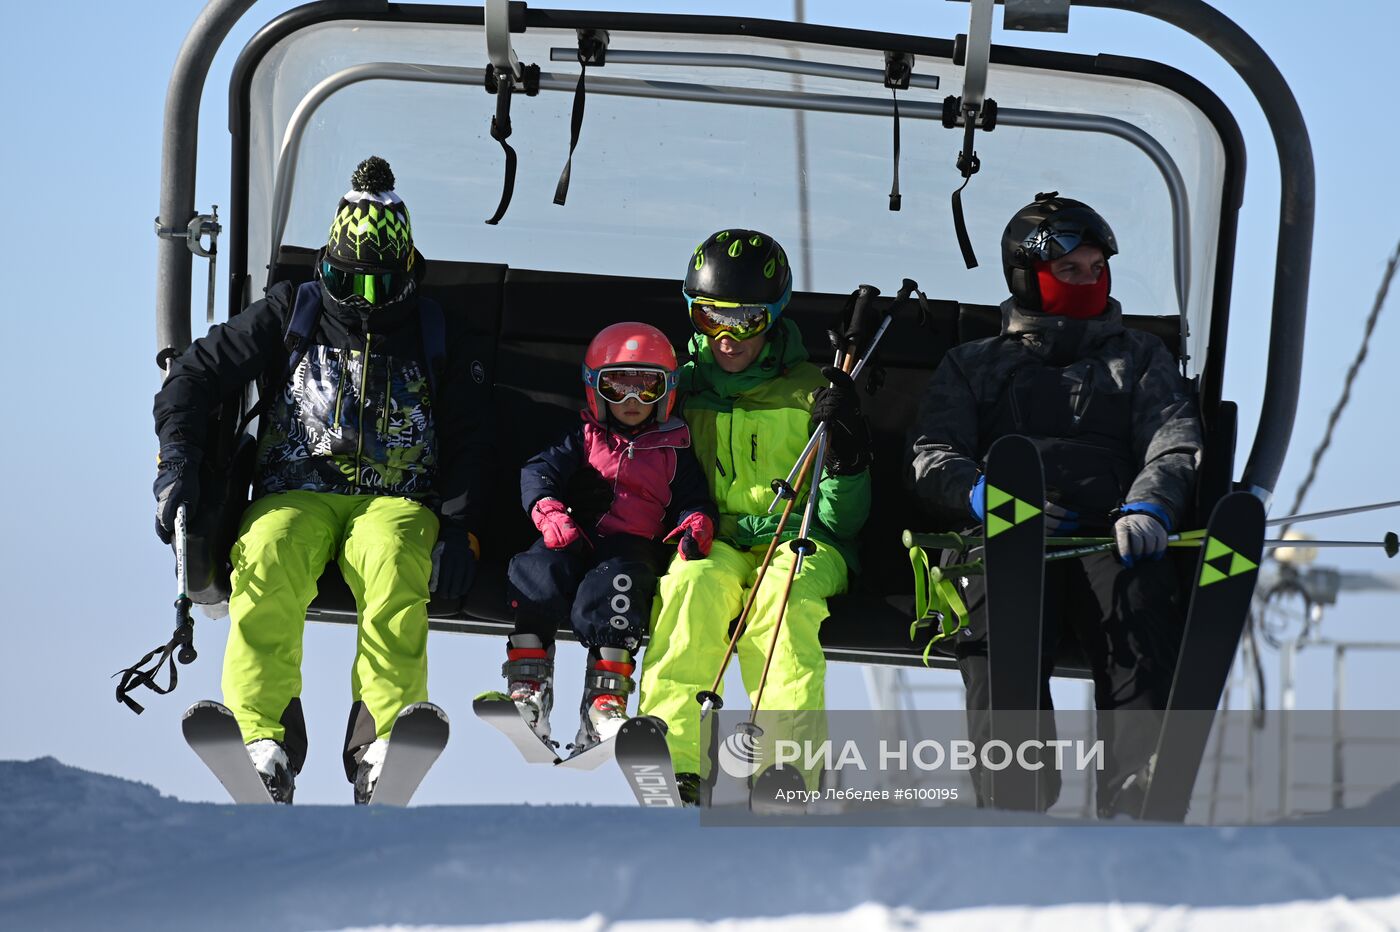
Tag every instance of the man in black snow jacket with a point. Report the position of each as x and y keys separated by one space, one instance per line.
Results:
x=1119 y=440
x=373 y=451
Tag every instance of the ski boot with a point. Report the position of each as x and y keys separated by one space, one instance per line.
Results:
x=369 y=769
x=694 y=789
x=270 y=761
x=606 y=685
x=529 y=673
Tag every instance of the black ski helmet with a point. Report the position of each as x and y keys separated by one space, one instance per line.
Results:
x=742 y=266
x=1048 y=228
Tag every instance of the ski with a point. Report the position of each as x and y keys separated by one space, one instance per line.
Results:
x=420 y=733
x=1014 y=541
x=1224 y=585
x=774 y=792
x=500 y=712
x=212 y=732
x=590 y=758
x=641 y=753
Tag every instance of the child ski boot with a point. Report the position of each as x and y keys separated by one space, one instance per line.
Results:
x=606 y=685
x=529 y=673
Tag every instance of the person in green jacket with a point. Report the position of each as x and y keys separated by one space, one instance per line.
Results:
x=752 y=398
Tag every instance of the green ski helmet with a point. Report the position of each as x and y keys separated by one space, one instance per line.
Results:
x=1048 y=228
x=738 y=282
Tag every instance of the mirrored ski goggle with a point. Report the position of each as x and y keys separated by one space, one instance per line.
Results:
x=716 y=319
x=646 y=385
x=373 y=287
x=1065 y=232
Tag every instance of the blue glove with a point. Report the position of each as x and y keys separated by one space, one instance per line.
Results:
x=1141 y=532
x=454 y=563
x=177 y=483
x=977 y=499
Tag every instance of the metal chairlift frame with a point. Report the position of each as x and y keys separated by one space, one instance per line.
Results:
x=178 y=171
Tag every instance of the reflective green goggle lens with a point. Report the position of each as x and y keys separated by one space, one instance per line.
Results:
x=373 y=287
x=741 y=322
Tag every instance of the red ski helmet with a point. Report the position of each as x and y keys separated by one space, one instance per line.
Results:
x=629 y=350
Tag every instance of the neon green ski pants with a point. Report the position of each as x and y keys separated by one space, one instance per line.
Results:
x=384 y=548
x=695 y=602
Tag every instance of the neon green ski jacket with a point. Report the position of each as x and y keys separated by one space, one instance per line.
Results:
x=749 y=427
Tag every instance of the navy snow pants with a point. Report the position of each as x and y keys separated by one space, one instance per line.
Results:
x=605 y=591
x=1128 y=622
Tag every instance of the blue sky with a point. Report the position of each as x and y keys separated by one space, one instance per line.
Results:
x=86 y=586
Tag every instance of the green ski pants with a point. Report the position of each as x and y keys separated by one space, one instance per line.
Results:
x=384 y=548
x=695 y=602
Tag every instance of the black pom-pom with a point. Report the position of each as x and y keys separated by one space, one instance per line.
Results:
x=373 y=175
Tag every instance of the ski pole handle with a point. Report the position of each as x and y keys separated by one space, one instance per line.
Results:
x=184 y=624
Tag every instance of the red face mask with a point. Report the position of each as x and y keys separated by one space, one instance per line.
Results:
x=1079 y=302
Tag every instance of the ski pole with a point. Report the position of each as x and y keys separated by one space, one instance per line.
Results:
x=1390 y=544
x=179 y=648
x=710 y=698
x=1334 y=513
x=864 y=294
x=800 y=548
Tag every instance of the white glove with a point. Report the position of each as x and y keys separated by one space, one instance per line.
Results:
x=1140 y=537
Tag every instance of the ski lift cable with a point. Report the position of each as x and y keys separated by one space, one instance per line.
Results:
x=1336 y=415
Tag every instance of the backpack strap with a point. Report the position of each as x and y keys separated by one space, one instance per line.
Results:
x=433 y=325
x=306 y=310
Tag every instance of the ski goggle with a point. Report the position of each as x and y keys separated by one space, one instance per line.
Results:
x=373 y=287
x=715 y=319
x=617 y=384
x=1065 y=231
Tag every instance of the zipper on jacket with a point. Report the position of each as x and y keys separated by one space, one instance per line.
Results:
x=388 y=396
x=340 y=389
x=720 y=467
x=360 y=433
x=753 y=447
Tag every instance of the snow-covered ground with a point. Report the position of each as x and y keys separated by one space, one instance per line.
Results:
x=83 y=851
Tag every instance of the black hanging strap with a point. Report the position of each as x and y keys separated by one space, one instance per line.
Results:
x=503 y=86
x=899 y=68
x=960 y=226
x=179 y=648
x=894 y=185
x=968 y=163
x=592 y=50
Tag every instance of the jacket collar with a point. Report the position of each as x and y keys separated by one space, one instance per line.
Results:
x=1062 y=331
x=672 y=432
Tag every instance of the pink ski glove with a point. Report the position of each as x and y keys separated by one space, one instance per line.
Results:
x=697 y=533
x=553 y=521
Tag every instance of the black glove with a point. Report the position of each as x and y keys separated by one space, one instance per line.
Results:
x=847 y=434
x=177 y=483
x=454 y=564
x=588 y=495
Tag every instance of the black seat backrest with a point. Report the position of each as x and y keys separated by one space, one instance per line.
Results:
x=535 y=325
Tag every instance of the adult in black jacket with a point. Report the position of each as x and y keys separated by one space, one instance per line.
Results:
x=1119 y=440
x=374 y=451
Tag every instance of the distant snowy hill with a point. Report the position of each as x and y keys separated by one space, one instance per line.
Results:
x=83 y=851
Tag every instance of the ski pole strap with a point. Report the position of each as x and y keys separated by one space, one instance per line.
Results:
x=592 y=49
x=179 y=648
